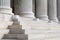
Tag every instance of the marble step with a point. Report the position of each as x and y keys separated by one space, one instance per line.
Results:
x=15 y=36
x=46 y=39
x=51 y=38
x=43 y=36
x=16 y=31
x=41 y=31
x=13 y=39
x=15 y=26
x=8 y=39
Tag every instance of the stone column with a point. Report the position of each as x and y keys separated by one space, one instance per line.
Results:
x=52 y=10
x=58 y=6
x=5 y=10
x=26 y=8
x=41 y=9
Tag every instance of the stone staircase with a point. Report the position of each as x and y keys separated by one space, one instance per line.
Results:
x=41 y=30
x=15 y=32
x=32 y=30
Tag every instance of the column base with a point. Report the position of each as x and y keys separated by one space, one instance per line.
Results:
x=5 y=13
x=51 y=21
x=5 y=16
x=36 y=19
x=27 y=14
x=5 y=9
x=43 y=17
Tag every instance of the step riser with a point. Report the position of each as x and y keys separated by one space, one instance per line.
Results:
x=13 y=39
x=15 y=36
x=8 y=39
x=42 y=36
x=15 y=27
x=16 y=22
x=16 y=31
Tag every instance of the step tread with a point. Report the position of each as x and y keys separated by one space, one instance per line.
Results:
x=15 y=36
x=13 y=39
x=8 y=39
x=30 y=31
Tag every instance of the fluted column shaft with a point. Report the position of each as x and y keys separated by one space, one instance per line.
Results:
x=41 y=9
x=5 y=6
x=5 y=3
x=5 y=9
x=53 y=10
x=26 y=8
